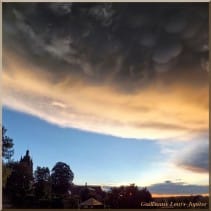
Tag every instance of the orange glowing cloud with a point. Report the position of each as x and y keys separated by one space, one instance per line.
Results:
x=159 y=111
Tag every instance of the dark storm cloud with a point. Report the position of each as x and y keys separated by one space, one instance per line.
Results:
x=166 y=51
x=146 y=62
x=197 y=159
x=169 y=187
x=127 y=44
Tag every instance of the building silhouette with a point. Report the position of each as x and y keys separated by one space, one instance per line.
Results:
x=27 y=162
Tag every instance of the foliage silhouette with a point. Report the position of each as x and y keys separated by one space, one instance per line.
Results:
x=6 y=172
x=61 y=177
x=7 y=153
x=127 y=197
x=7 y=145
x=42 y=184
x=19 y=184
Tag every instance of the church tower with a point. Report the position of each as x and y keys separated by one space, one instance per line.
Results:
x=27 y=161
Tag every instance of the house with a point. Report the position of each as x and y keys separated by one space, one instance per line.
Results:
x=91 y=203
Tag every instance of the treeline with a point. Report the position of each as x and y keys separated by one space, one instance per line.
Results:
x=23 y=188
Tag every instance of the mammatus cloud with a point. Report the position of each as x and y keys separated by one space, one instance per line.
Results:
x=120 y=43
x=180 y=188
x=136 y=71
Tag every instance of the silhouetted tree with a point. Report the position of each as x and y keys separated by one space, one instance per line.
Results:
x=112 y=198
x=7 y=153
x=85 y=194
x=127 y=197
x=19 y=184
x=61 y=177
x=42 y=174
x=7 y=145
x=42 y=185
x=6 y=172
x=145 y=195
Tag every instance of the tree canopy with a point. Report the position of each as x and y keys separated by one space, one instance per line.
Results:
x=42 y=184
x=7 y=145
x=128 y=197
x=42 y=174
x=19 y=184
x=62 y=177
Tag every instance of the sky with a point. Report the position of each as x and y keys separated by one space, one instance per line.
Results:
x=118 y=91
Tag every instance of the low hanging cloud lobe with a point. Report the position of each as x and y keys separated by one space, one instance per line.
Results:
x=196 y=158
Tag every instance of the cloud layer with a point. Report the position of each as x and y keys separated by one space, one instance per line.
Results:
x=195 y=158
x=130 y=70
x=124 y=45
x=180 y=188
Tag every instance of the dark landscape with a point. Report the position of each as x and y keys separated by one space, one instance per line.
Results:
x=23 y=188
